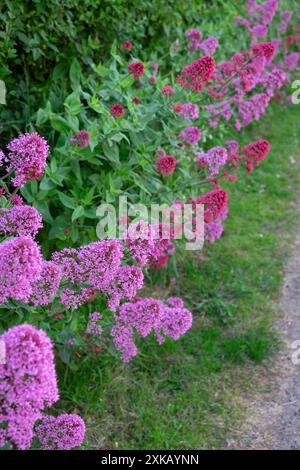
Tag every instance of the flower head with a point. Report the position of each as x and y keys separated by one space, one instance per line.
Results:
x=127 y=45
x=45 y=287
x=254 y=153
x=264 y=49
x=20 y=265
x=28 y=383
x=20 y=221
x=146 y=315
x=189 y=111
x=195 y=75
x=191 y=135
x=209 y=45
x=117 y=110
x=136 y=69
x=81 y=138
x=63 y=432
x=154 y=67
x=166 y=165
x=92 y=327
x=2 y=157
x=167 y=90
x=27 y=157
x=152 y=79
x=214 y=158
x=215 y=204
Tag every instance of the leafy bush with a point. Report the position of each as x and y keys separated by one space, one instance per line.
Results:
x=37 y=36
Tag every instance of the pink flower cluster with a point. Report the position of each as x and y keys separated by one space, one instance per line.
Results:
x=64 y=432
x=27 y=158
x=215 y=204
x=195 y=75
x=259 y=16
x=149 y=244
x=254 y=153
x=27 y=385
x=208 y=46
x=167 y=90
x=90 y=268
x=20 y=221
x=128 y=280
x=45 y=287
x=148 y=315
x=117 y=110
x=20 y=265
x=191 y=135
x=166 y=165
x=214 y=158
x=195 y=37
x=81 y=138
x=2 y=157
x=136 y=69
x=189 y=111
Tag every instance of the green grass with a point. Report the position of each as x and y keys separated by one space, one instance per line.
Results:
x=184 y=395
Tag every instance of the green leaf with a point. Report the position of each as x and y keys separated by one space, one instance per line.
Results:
x=2 y=92
x=111 y=152
x=75 y=74
x=43 y=208
x=60 y=124
x=67 y=201
x=72 y=102
x=78 y=212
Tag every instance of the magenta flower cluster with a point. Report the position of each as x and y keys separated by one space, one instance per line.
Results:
x=45 y=287
x=214 y=158
x=189 y=111
x=147 y=315
x=27 y=158
x=190 y=135
x=20 y=265
x=148 y=243
x=27 y=385
x=81 y=138
x=64 y=432
x=90 y=268
x=20 y=221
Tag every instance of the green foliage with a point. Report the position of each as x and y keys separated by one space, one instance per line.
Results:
x=40 y=40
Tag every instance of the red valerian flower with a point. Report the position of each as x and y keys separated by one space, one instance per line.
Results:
x=195 y=75
x=27 y=157
x=81 y=138
x=160 y=262
x=215 y=204
x=136 y=69
x=254 y=153
x=166 y=165
x=265 y=49
x=167 y=90
x=177 y=107
x=152 y=80
x=117 y=110
x=136 y=100
x=127 y=45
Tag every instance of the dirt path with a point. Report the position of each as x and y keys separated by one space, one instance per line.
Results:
x=274 y=414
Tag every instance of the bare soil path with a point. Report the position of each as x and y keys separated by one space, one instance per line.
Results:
x=273 y=416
